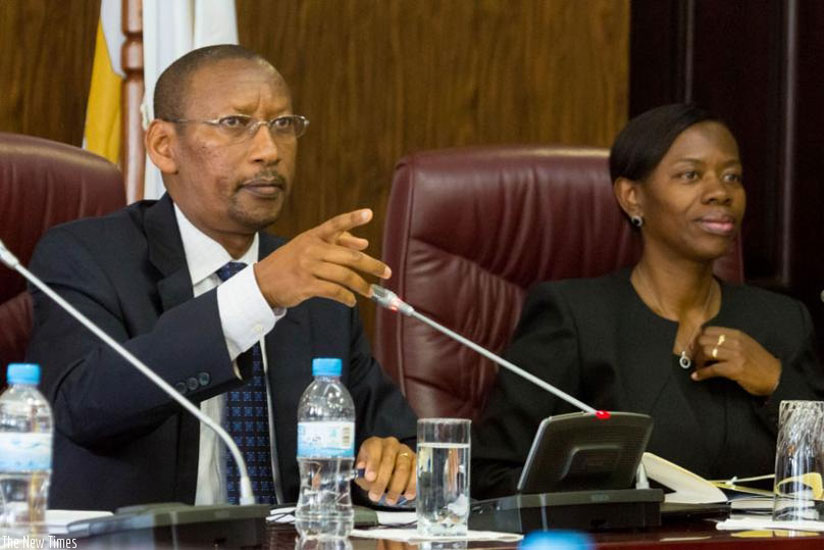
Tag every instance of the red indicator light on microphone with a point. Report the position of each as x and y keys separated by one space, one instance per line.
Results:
x=602 y=415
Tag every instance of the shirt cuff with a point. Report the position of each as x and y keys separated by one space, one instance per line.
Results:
x=245 y=315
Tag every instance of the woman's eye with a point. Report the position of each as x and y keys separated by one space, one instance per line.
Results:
x=283 y=123
x=689 y=175
x=733 y=177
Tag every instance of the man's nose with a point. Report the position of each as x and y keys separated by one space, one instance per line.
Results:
x=264 y=147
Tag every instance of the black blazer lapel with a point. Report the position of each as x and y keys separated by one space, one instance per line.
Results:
x=289 y=353
x=166 y=254
x=290 y=342
x=174 y=287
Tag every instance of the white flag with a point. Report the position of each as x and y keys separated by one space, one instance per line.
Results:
x=172 y=28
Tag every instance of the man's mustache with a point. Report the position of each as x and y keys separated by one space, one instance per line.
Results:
x=268 y=177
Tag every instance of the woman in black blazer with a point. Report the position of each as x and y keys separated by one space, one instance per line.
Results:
x=708 y=360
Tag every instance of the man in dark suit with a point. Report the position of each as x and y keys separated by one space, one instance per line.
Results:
x=231 y=316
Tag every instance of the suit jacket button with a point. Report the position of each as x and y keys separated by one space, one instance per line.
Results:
x=204 y=379
x=192 y=384
x=181 y=388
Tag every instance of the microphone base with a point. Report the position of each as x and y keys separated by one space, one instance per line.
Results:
x=175 y=525
x=591 y=510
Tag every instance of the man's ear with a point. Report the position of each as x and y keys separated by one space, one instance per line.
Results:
x=629 y=196
x=159 y=139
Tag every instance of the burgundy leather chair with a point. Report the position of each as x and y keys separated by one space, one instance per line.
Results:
x=43 y=183
x=468 y=232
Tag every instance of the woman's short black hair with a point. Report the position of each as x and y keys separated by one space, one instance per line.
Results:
x=645 y=139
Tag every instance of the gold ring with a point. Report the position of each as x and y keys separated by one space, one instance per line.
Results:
x=403 y=454
x=715 y=352
x=721 y=340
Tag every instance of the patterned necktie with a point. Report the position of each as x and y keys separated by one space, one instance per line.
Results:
x=247 y=421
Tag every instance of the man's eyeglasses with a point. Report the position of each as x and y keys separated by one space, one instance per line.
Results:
x=244 y=127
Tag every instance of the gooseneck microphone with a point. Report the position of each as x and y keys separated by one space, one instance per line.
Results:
x=246 y=494
x=390 y=300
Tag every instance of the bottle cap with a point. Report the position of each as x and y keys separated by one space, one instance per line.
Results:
x=23 y=373
x=326 y=366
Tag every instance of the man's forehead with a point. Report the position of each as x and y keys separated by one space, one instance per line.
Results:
x=256 y=68
x=230 y=79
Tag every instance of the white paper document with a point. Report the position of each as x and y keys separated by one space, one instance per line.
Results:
x=281 y=515
x=395 y=519
x=411 y=535
x=686 y=487
x=765 y=523
x=58 y=520
x=399 y=526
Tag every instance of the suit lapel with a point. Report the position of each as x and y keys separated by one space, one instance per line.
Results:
x=166 y=254
x=290 y=341
x=174 y=287
x=289 y=355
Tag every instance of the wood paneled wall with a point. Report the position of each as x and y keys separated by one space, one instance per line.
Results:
x=46 y=53
x=379 y=79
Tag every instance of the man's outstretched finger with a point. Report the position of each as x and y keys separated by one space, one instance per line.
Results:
x=343 y=276
x=351 y=241
x=332 y=228
x=358 y=261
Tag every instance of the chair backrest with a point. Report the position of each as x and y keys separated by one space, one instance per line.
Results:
x=43 y=183
x=468 y=232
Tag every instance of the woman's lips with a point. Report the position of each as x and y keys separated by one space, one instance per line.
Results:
x=718 y=226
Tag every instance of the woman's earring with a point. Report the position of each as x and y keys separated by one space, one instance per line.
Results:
x=636 y=220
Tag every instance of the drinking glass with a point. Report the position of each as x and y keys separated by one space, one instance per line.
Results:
x=443 y=476
x=799 y=462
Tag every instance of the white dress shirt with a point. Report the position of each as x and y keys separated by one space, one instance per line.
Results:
x=245 y=317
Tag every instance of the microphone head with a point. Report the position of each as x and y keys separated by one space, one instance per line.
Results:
x=388 y=299
x=379 y=294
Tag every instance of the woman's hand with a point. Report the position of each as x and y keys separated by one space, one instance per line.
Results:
x=732 y=354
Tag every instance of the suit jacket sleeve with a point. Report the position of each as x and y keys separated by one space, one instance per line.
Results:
x=545 y=344
x=99 y=399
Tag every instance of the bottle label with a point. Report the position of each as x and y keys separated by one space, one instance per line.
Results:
x=326 y=439
x=25 y=452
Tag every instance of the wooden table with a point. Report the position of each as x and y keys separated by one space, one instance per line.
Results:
x=700 y=535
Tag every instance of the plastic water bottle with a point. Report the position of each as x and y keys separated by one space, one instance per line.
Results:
x=326 y=453
x=25 y=451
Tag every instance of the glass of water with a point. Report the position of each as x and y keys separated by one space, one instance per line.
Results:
x=443 y=476
x=799 y=462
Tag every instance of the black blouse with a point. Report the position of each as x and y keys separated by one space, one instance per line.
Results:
x=597 y=340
